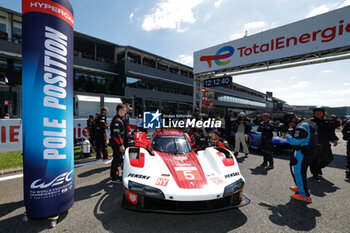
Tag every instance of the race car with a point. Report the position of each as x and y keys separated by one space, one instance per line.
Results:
x=254 y=140
x=164 y=174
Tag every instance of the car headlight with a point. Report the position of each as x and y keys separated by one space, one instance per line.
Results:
x=145 y=190
x=234 y=187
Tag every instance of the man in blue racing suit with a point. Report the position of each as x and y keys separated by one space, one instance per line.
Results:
x=304 y=138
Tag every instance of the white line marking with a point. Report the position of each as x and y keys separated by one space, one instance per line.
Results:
x=109 y=161
x=75 y=166
x=11 y=177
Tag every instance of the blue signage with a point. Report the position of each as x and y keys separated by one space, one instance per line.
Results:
x=47 y=87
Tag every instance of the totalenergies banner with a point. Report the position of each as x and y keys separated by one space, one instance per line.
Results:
x=320 y=33
x=47 y=87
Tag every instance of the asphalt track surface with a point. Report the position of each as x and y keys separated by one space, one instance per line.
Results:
x=97 y=204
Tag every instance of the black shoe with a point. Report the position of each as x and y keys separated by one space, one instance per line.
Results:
x=320 y=172
x=235 y=154
x=269 y=167
x=347 y=172
x=246 y=155
x=263 y=165
x=315 y=176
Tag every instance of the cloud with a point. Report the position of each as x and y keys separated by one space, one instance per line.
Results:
x=218 y=3
x=254 y=25
x=346 y=84
x=301 y=84
x=207 y=17
x=345 y=3
x=326 y=7
x=319 y=10
x=171 y=14
x=236 y=36
x=131 y=16
x=251 y=28
x=292 y=77
x=327 y=71
x=185 y=59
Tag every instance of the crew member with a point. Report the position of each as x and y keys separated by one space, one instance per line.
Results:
x=92 y=131
x=326 y=134
x=116 y=142
x=216 y=141
x=242 y=127
x=126 y=121
x=266 y=128
x=101 y=136
x=199 y=139
x=304 y=139
x=346 y=137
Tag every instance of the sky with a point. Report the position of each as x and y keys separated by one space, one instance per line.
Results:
x=174 y=29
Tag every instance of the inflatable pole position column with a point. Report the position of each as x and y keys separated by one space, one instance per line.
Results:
x=47 y=100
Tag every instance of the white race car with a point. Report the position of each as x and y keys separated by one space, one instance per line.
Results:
x=164 y=174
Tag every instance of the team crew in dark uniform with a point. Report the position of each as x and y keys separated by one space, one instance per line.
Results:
x=266 y=128
x=126 y=121
x=215 y=140
x=326 y=134
x=304 y=138
x=199 y=139
x=92 y=131
x=346 y=137
x=116 y=141
x=101 y=136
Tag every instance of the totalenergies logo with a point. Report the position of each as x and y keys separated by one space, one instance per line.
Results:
x=223 y=53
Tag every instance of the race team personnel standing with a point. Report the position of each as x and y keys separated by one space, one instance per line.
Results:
x=116 y=142
x=92 y=131
x=326 y=134
x=216 y=141
x=304 y=139
x=101 y=136
x=266 y=128
x=126 y=121
x=346 y=137
x=242 y=127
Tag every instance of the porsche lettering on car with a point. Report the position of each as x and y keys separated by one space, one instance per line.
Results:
x=168 y=176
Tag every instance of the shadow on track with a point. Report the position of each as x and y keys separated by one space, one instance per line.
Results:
x=321 y=187
x=93 y=172
x=116 y=219
x=295 y=215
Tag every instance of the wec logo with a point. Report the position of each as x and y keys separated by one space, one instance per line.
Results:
x=218 y=56
x=57 y=181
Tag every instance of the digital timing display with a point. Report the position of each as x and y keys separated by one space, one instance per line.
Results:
x=214 y=82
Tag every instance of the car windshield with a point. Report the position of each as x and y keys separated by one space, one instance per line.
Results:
x=172 y=144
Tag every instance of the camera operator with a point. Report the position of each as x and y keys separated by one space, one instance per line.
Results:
x=304 y=139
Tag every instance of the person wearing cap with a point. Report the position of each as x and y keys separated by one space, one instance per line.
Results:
x=215 y=140
x=242 y=127
x=334 y=122
x=304 y=139
x=346 y=137
x=326 y=134
x=266 y=128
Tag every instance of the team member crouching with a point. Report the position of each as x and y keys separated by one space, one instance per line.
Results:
x=116 y=141
x=304 y=138
x=215 y=140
